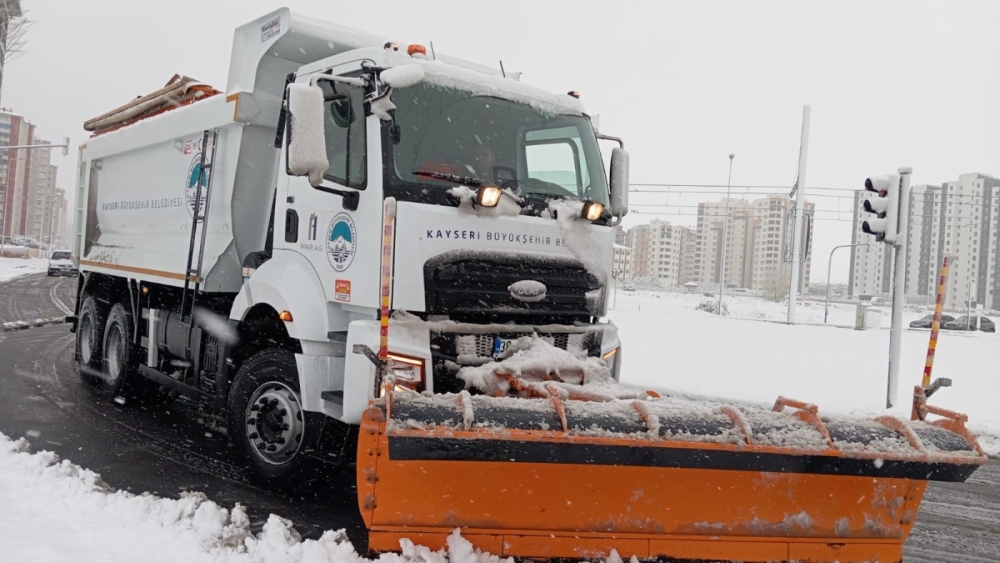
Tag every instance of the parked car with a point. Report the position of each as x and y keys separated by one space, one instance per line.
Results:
x=61 y=264
x=629 y=287
x=966 y=323
x=926 y=321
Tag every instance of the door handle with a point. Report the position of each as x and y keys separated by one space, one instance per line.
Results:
x=291 y=226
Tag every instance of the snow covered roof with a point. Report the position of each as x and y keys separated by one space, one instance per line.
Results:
x=267 y=49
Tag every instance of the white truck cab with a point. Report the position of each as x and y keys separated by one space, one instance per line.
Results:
x=237 y=249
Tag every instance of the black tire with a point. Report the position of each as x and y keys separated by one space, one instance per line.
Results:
x=119 y=356
x=89 y=338
x=266 y=420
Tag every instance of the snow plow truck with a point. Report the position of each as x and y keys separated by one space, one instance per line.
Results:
x=367 y=252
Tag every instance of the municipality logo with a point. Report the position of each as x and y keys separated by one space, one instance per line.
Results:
x=191 y=189
x=340 y=242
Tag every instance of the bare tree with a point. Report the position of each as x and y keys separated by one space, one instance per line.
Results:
x=775 y=287
x=13 y=27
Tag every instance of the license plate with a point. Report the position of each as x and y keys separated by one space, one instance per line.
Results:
x=500 y=345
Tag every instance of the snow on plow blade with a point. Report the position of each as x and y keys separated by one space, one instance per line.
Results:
x=556 y=478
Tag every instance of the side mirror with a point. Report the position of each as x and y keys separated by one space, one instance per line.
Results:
x=619 y=182
x=306 y=139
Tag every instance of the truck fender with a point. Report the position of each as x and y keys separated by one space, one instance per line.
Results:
x=287 y=282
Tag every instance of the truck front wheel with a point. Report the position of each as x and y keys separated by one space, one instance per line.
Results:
x=266 y=419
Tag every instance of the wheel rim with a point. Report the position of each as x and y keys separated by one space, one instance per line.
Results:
x=275 y=423
x=86 y=339
x=114 y=355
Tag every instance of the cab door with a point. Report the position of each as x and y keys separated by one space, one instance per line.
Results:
x=341 y=236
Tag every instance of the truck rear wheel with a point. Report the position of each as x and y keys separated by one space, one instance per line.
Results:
x=89 y=335
x=266 y=419
x=119 y=359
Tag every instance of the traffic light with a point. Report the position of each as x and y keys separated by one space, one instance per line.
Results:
x=885 y=207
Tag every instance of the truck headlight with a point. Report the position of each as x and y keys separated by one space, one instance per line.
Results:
x=407 y=372
x=613 y=359
x=488 y=196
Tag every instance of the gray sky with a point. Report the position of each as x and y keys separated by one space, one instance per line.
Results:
x=685 y=83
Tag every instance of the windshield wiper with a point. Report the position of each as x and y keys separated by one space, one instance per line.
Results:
x=465 y=180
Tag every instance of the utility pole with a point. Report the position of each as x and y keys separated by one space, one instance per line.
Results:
x=899 y=285
x=725 y=233
x=829 y=267
x=800 y=201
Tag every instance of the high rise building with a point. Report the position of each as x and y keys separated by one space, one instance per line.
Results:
x=621 y=262
x=758 y=242
x=41 y=198
x=959 y=218
x=658 y=252
x=16 y=180
x=28 y=203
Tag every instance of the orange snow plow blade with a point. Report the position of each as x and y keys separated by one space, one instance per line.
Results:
x=560 y=478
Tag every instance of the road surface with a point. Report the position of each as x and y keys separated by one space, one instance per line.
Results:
x=175 y=448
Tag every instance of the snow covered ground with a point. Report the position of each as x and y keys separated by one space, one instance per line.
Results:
x=670 y=345
x=53 y=511
x=11 y=268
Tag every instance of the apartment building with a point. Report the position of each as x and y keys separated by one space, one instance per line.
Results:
x=28 y=203
x=621 y=262
x=758 y=243
x=16 y=179
x=661 y=252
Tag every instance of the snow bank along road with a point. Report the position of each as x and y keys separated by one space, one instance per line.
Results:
x=174 y=449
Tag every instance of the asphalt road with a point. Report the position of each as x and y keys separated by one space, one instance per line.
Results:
x=175 y=448
x=166 y=449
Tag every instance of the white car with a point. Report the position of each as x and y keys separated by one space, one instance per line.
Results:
x=61 y=264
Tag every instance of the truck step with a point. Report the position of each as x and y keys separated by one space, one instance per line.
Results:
x=336 y=397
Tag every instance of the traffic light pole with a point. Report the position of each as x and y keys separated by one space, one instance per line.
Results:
x=899 y=285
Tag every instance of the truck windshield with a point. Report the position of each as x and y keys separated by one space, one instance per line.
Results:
x=441 y=137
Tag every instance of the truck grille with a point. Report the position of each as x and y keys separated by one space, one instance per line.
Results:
x=472 y=287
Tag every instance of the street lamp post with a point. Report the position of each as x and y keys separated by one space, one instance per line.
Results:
x=829 y=266
x=725 y=233
x=968 y=303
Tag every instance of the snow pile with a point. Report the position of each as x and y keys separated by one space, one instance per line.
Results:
x=532 y=358
x=22 y=325
x=782 y=430
x=578 y=234
x=54 y=511
x=402 y=76
x=712 y=307
x=509 y=204
x=11 y=268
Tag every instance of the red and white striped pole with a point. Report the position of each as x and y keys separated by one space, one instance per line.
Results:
x=936 y=324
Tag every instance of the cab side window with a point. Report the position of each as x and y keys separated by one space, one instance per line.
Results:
x=346 y=143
